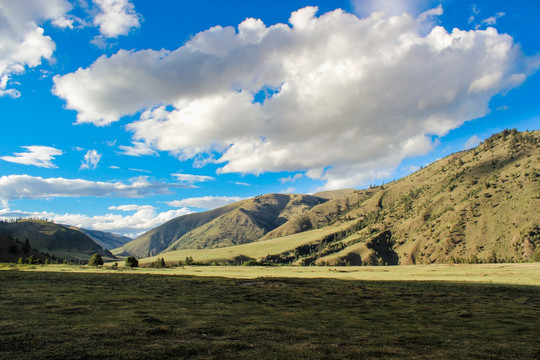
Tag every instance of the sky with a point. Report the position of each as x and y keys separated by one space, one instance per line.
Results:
x=119 y=115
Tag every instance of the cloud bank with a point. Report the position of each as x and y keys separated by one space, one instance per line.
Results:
x=33 y=187
x=144 y=218
x=342 y=98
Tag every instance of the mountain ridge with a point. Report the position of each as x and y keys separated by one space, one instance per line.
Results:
x=55 y=239
x=477 y=205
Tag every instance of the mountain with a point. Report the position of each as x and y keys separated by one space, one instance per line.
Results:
x=241 y=222
x=55 y=239
x=11 y=251
x=104 y=239
x=478 y=205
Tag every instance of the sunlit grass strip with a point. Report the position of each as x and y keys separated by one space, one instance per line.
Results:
x=516 y=274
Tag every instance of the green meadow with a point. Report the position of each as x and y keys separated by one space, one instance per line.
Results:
x=77 y=312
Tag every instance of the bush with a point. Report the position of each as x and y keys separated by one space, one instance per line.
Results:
x=95 y=260
x=159 y=263
x=132 y=262
x=251 y=262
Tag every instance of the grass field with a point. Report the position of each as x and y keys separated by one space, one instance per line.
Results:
x=254 y=250
x=62 y=313
x=511 y=274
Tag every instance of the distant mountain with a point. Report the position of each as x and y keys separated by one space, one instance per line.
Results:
x=242 y=222
x=479 y=205
x=104 y=239
x=55 y=239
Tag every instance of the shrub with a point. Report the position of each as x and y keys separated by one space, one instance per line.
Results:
x=159 y=263
x=95 y=260
x=132 y=262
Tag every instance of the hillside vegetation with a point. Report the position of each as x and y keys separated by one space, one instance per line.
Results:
x=239 y=223
x=53 y=239
x=479 y=205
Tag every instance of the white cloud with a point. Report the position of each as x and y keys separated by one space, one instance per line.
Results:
x=205 y=202
x=116 y=17
x=241 y=183
x=139 y=148
x=23 y=42
x=492 y=20
x=90 y=160
x=132 y=207
x=31 y=187
x=191 y=179
x=291 y=178
x=140 y=170
x=288 y=190
x=144 y=218
x=347 y=103
x=472 y=142
x=36 y=155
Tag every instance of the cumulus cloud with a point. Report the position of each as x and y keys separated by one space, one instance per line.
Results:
x=90 y=160
x=116 y=17
x=144 y=218
x=205 y=202
x=23 y=42
x=346 y=98
x=32 y=187
x=36 y=155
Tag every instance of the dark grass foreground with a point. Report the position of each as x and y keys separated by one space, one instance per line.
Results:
x=122 y=316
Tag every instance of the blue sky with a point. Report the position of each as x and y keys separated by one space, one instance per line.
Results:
x=118 y=115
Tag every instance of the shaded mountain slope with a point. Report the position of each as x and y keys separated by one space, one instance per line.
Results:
x=11 y=251
x=248 y=222
x=237 y=223
x=104 y=239
x=54 y=239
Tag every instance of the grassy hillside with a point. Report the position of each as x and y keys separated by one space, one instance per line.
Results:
x=104 y=239
x=479 y=205
x=11 y=251
x=242 y=222
x=256 y=250
x=54 y=239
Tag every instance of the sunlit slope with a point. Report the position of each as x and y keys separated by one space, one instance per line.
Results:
x=53 y=238
x=324 y=214
x=238 y=223
x=254 y=250
x=479 y=205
